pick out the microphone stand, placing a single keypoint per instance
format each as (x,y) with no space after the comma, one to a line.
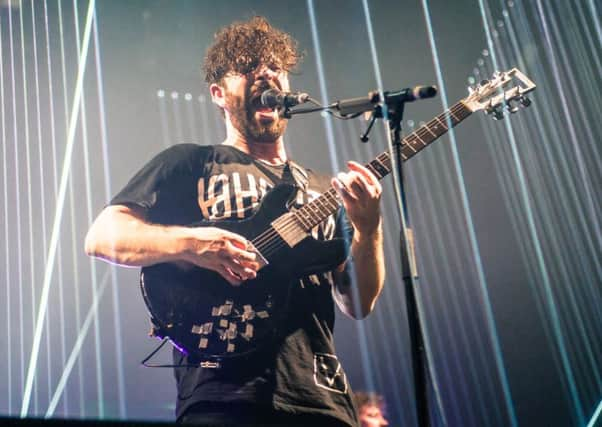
(394,106)
(420,365)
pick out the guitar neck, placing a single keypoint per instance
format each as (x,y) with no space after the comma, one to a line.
(321,208)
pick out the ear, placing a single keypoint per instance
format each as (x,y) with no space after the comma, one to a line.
(218,94)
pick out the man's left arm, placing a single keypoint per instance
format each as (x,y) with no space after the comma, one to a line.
(360,192)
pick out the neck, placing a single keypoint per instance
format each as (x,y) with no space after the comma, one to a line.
(269,151)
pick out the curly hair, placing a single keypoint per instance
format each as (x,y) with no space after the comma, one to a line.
(362,398)
(242,46)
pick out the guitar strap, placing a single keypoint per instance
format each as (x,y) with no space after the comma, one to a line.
(292,173)
(299,175)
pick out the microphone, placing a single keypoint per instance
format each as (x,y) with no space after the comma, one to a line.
(274,98)
(366,103)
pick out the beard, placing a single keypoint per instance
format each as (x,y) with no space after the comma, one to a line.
(242,115)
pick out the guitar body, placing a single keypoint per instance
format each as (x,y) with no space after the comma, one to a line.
(209,319)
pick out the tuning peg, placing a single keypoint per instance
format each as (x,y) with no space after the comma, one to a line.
(524,101)
(497,112)
(484,82)
(511,106)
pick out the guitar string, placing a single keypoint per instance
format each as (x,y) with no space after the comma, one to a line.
(272,239)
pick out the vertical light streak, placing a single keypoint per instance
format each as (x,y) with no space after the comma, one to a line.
(596,20)
(17,194)
(58,215)
(561,171)
(443,310)
(190,116)
(163,118)
(558,245)
(366,362)
(323,90)
(77,347)
(490,319)
(535,238)
(562,175)
(55,188)
(88,186)
(108,192)
(32,278)
(177,115)
(587,54)
(74,243)
(595,416)
(443,225)
(204,119)
(42,189)
(431,370)
(586,182)
(9,331)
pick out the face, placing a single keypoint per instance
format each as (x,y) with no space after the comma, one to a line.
(372,416)
(241,101)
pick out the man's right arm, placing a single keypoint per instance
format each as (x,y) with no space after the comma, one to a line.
(122,235)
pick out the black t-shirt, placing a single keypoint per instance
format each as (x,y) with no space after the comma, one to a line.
(301,373)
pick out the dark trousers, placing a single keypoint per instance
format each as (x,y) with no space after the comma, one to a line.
(252,415)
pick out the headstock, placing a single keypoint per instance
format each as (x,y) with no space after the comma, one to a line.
(505,91)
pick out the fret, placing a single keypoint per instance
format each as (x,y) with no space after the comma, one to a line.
(416,138)
(454,117)
(430,131)
(333,203)
(442,124)
(298,214)
(420,139)
(378,168)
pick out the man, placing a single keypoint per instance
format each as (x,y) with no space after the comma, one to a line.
(371,408)
(301,381)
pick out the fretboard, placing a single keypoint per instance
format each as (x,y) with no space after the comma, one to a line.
(315,212)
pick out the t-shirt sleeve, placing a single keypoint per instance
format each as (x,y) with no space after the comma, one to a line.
(164,172)
(344,228)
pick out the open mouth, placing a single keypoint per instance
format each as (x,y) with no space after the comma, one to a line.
(258,107)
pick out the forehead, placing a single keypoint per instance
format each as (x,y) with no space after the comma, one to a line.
(238,78)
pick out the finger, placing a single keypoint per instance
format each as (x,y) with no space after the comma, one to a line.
(347,180)
(237,240)
(368,178)
(227,274)
(342,191)
(364,171)
(359,184)
(242,254)
(239,270)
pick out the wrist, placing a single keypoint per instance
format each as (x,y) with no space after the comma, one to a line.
(369,233)
(181,248)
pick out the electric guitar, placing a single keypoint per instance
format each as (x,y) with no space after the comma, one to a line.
(211,321)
